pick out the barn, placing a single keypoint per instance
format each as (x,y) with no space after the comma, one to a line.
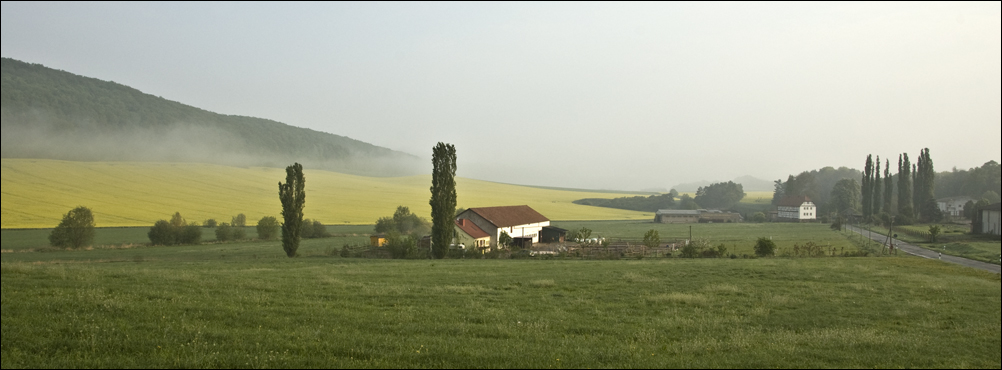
(522,223)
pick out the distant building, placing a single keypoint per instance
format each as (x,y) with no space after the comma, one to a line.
(797,209)
(522,223)
(672,216)
(990,220)
(953,207)
(377,240)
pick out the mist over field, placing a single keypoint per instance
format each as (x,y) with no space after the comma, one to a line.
(182,143)
(51,114)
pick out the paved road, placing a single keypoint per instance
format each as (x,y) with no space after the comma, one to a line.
(925,253)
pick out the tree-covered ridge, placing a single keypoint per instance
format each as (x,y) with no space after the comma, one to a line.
(53,114)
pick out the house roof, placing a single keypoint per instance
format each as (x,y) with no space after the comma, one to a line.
(794,201)
(994,207)
(510,216)
(556,229)
(471,229)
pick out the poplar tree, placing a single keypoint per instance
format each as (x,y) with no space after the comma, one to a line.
(888,188)
(293,197)
(905,187)
(868,188)
(877,191)
(443,198)
(925,189)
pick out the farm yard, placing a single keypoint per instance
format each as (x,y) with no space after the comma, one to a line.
(245,305)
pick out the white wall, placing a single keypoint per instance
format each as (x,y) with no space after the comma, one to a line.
(991,223)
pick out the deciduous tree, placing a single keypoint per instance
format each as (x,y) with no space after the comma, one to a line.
(720,196)
(75,231)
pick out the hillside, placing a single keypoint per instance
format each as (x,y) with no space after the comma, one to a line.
(53,114)
(36,193)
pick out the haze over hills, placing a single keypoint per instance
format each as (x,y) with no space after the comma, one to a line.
(52,114)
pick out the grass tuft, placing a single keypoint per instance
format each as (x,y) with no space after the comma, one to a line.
(548,283)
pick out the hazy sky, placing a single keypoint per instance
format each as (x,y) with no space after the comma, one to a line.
(590,95)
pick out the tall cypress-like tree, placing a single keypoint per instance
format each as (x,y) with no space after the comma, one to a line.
(293,197)
(916,190)
(878,199)
(443,198)
(925,185)
(905,187)
(868,188)
(888,188)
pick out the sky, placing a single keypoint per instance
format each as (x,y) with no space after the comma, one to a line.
(623,96)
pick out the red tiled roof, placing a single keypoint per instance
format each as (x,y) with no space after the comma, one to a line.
(510,216)
(471,229)
(794,201)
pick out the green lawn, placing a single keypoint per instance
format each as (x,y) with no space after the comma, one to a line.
(334,313)
(245,305)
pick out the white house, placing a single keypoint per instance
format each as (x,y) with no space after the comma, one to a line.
(990,219)
(953,207)
(523,224)
(797,209)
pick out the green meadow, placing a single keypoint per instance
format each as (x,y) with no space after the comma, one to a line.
(224,305)
(954,240)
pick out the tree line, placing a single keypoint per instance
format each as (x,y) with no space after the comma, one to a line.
(721,196)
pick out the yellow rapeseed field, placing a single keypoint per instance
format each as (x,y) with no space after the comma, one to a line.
(36,193)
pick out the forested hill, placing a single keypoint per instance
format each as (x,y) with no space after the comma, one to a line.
(52,114)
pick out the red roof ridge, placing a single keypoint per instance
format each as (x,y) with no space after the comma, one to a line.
(508,216)
(471,229)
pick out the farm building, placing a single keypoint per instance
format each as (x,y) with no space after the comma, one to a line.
(670,216)
(953,207)
(471,236)
(377,240)
(990,220)
(552,234)
(797,209)
(522,223)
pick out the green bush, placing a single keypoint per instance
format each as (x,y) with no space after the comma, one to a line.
(162,233)
(224,232)
(190,235)
(267,228)
(175,232)
(765,248)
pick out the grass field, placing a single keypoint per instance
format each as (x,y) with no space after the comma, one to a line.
(738,238)
(37,193)
(337,313)
(955,240)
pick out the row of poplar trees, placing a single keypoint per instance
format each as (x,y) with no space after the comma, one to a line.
(915,189)
(292,194)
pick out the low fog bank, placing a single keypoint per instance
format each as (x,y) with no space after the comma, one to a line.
(187,143)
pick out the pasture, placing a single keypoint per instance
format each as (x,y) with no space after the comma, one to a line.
(37,193)
(245,305)
(955,240)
